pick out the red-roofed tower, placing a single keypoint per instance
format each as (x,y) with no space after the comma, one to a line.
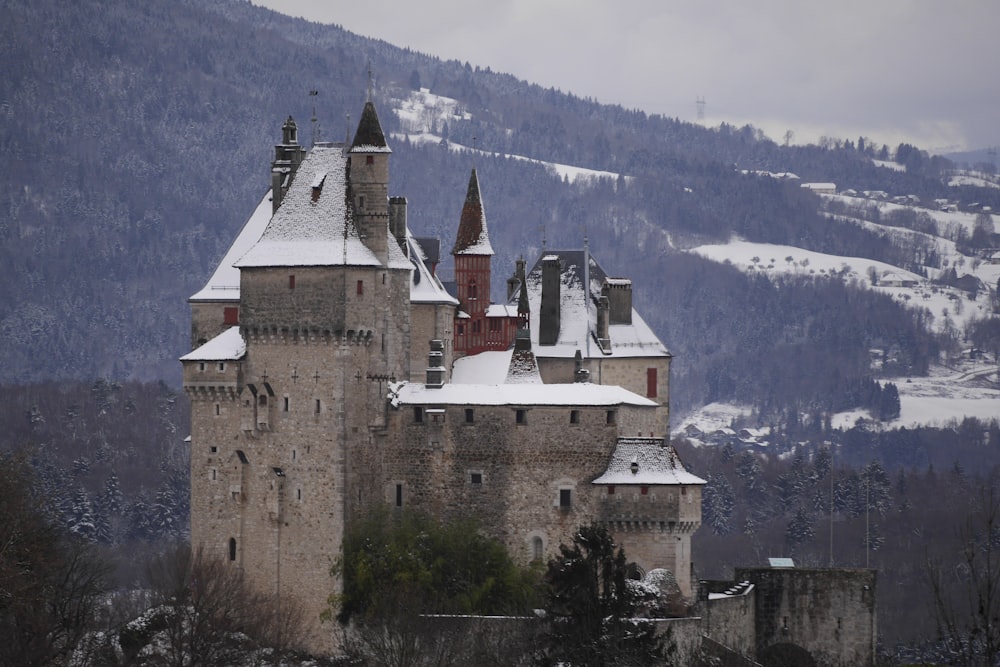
(473,254)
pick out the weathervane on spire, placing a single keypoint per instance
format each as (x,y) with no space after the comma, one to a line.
(371,84)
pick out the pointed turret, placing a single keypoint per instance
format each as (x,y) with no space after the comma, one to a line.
(473,237)
(369,137)
(369,183)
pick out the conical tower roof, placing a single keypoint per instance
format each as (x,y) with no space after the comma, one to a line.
(473,237)
(369,137)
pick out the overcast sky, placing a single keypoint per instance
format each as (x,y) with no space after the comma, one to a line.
(923,71)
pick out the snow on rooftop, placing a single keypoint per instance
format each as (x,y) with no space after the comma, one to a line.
(425,287)
(304,232)
(483,368)
(577,323)
(576,394)
(224,285)
(227,346)
(654,463)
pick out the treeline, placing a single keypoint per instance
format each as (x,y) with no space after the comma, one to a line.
(110,458)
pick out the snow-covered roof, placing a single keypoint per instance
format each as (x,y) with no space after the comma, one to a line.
(483,368)
(576,394)
(227,346)
(304,232)
(369,137)
(425,287)
(577,324)
(224,285)
(656,463)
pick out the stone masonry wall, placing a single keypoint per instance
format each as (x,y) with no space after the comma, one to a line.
(828,612)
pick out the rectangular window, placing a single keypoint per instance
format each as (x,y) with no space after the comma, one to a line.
(201,367)
(318,406)
(285,405)
(213,449)
(574,416)
(476,478)
(522,416)
(565,498)
(361,287)
(291,281)
(399,495)
(418,414)
(222,366)
(231,315)
(470,416)
(369,159)
(644,490)
(611,490)
(610,417)
(651,383)
(298,492)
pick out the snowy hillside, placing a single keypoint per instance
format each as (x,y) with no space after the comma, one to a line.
(957,387)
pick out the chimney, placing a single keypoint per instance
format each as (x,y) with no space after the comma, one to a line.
(287,157)
(619,293)
(603,319)
(515,281)
(548,312)
(435,369)
(580,374)
(397,221)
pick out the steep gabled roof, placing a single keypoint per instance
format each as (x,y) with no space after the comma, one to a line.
(227,346)
(369,138)
(473,237)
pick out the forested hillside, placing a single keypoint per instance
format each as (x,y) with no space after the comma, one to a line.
(136,139)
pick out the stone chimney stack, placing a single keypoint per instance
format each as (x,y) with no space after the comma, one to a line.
(435,365)
(397,221)
(603,320)
(548,311)
(287,157)
(619,293)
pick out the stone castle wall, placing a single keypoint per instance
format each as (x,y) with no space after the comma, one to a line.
(828,612)
(508,475)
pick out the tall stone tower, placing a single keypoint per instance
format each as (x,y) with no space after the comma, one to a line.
(287,407)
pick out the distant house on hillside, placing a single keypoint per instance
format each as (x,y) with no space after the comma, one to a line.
(821,188)
(895,279)
(995,258)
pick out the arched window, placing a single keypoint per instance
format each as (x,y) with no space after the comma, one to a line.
(536,548)
(232,548)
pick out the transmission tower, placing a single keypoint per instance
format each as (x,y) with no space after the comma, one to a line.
(700,103)
(315,121)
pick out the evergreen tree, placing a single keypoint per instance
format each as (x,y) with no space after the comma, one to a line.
(591,611)
(718,501)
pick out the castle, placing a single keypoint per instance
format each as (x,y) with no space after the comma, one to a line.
(332,371)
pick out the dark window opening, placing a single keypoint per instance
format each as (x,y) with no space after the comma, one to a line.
(536,548)
(611,490)
(472,290)
(476,478)
(318,406)
(231,316)
(522,416)
(369,159)
(470,416)
(291,281)
(611,417)
(574,416)
(222,366)
(399,495)
(418,414)
(361,287)
(213,449)
(651,382)
(565,498)
(201,367)
(218,410)
(285,406)
(232,548)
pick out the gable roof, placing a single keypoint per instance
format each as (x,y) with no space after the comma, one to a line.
(227,346)
(224,284)
(473,237)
